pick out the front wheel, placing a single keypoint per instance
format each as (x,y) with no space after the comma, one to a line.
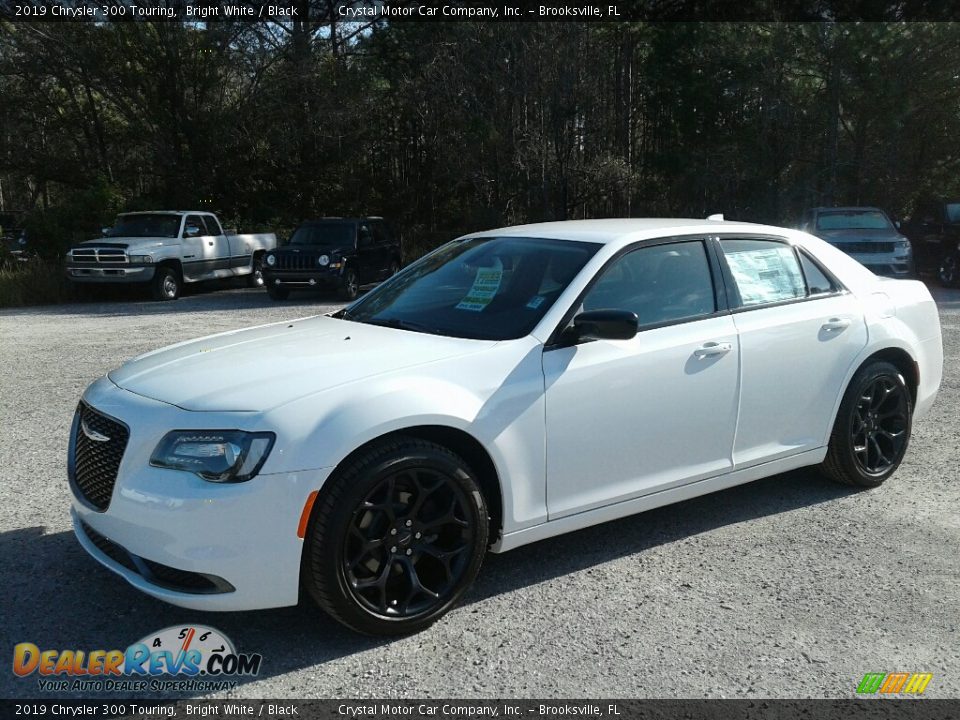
(396,538)
(872,429)
(949,271)
(351,285)
(166,284)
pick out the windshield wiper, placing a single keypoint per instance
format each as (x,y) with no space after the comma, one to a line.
(403,325)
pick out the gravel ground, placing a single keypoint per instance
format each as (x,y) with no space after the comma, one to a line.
(789,587)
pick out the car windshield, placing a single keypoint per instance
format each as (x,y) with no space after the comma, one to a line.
(325,234)
(480,288)
(953,212)
(853,220)
(146,225)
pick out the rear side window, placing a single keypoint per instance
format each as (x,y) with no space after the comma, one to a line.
(817,281)
(764,271)
(213,227)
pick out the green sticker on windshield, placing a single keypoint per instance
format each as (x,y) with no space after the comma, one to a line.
(484,289)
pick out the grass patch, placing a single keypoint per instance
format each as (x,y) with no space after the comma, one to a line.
(34,283)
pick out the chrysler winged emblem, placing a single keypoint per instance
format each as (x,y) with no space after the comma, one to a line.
(92,434)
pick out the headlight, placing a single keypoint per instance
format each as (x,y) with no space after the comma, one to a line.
(144,259)
(323,260)
(215,455)
(902,245)
(271,260)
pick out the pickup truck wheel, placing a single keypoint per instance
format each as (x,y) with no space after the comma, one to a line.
(872,429)
(351,285)
(255,278)
(166,284)
(949,271)
(396,537)
(278,293)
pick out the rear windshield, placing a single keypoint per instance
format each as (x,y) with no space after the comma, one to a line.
(146,225)
(853,220)
(325,234)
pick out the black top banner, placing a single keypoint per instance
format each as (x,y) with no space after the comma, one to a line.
(368,11)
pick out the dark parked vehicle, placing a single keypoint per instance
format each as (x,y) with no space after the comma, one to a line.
(864,233)
(333,253)
(934,230)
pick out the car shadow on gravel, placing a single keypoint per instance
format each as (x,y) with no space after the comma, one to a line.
(57,597)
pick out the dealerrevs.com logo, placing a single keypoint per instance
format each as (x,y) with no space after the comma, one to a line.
(178,658)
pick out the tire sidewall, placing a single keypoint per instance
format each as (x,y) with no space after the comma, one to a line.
(326,548)
(159,281)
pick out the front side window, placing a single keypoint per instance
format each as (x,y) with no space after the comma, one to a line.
(194,226)
(483,288)
(660,283)
(764,271)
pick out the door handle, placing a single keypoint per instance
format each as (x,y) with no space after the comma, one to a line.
(712,349)
(836,324)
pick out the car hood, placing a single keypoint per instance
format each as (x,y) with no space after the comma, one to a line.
(138,243)
(264,367)
(859,235)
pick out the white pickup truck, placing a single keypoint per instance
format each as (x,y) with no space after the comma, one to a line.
(167,248)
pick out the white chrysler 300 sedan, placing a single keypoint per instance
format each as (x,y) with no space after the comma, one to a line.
(512,385)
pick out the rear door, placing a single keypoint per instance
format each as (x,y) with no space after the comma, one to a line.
(800,332)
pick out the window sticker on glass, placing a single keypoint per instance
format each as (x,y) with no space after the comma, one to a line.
(535,302)
(765,275)
(484,289)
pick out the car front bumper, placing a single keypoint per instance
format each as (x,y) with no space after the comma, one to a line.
(127,274)
(303,280)
(886,264)
(166,530)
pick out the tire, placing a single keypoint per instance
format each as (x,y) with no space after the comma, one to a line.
(395,568)
(872,430)
(351,285)
(166,284)
(278,293)
(948,272)
(255,278)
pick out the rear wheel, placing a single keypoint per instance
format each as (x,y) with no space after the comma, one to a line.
(166,284)
(277,293)
(255,278)
(949,271)
(872,429)
(396,538)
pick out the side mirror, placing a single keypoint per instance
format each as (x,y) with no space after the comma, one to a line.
(606,325)
(896,224)
(191,231)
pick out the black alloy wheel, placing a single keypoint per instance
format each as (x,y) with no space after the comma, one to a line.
(397,539)
(872,429)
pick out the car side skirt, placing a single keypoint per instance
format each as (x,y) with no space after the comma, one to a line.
(653,500)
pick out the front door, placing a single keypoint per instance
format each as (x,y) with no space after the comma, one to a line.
(631,417)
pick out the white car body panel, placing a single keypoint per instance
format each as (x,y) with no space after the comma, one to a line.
(550,419)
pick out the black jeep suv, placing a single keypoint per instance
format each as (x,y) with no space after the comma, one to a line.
(332,253)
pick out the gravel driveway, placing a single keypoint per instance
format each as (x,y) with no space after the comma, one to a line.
(789,587)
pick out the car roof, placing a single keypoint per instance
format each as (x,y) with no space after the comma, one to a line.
(342,219)
(614,230)
(167,212)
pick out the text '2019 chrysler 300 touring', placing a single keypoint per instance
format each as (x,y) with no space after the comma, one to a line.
(511,385)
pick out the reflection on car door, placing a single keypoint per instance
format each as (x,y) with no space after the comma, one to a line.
(799,335)
(627,418)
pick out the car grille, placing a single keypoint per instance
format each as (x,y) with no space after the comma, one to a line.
(296,261)
(99,255)
(866,247)
(154,572)
(98,446)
